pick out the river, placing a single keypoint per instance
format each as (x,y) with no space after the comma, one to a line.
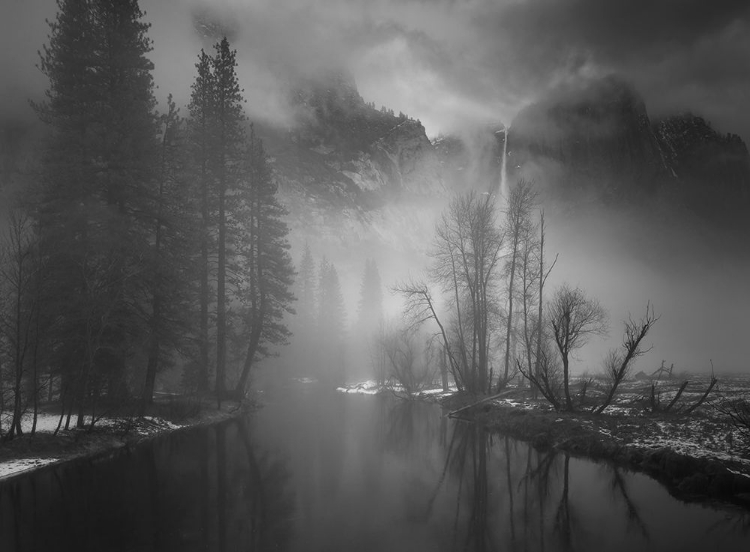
(316,470)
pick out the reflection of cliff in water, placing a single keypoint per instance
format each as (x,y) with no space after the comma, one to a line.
(203,489)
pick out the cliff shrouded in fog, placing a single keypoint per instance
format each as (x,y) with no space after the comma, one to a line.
(639,208)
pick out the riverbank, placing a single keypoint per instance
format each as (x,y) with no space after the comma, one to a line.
(698,457)
(689,454)
(109,434)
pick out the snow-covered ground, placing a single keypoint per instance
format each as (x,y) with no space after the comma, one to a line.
(371,387)
(702,434)
(47,424)
(14,467)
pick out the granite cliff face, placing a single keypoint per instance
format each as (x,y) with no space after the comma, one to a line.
(346,170)
(353,174)
(711,171)
(601,138)
(602,131)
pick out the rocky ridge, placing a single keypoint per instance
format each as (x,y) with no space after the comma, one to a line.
(601,137)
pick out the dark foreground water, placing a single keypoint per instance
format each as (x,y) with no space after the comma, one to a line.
(321,471)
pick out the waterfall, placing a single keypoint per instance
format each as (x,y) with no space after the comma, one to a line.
(503,169)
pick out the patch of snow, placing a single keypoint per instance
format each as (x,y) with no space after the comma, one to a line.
(13,467)
(369,387)
(45,422)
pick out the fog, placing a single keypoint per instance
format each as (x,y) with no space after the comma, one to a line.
(455,65)
(694,276)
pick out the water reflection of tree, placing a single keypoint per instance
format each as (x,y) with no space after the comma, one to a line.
(466,462)
(268,497)
(564,516)
(504,491)
(734,522)
(619,488)
(410,427)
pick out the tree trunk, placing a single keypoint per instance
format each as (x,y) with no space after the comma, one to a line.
(537,360)
(444,369)
(566,384)
(221,313)
(202,383)
(148,388)
(252,347)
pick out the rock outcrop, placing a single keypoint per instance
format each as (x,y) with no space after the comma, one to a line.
(600,137)
(345,167)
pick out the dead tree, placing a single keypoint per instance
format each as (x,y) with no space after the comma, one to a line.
(660,371)
(677,396)
(738,412)
(546,376)
(573,318)
(618,364)
(711,385)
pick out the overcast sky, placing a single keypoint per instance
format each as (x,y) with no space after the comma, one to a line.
(443,61)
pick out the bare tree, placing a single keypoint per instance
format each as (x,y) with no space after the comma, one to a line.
(618,363)
(738,412)
(533,275)
(18,304)
(518,226)
(407,366)
(573,318)
(466,257)
(705,395)
(542,279)
(419,308)
(546,377)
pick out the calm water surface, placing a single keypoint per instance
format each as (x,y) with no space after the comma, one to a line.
(321,471)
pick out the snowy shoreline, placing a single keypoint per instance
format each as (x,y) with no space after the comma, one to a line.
(109,436)
(687,453)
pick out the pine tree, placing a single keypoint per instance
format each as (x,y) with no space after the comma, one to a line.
(170,262)
(306,291)
(266,269)
(200,130)
(98,184)
(230,139)
(331,323)
(218,149)
(369,327)
(302,324)
(370,299)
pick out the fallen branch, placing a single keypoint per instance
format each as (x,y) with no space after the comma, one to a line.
(677,396)
(484,400)
(703,398)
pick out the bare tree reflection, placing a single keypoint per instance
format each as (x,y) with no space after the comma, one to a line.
(509,477)
(634,517)
(221,487)
(734,521)
(563,514)
(536,487)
